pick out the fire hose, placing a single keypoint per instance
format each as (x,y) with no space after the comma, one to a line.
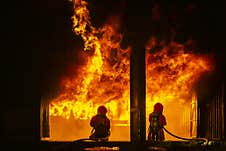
(199,139)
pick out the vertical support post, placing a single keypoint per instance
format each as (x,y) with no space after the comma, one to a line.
(44,119)
(137,95)
(138,31)
(224,110)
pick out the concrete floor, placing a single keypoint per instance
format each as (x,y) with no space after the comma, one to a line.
(85,145)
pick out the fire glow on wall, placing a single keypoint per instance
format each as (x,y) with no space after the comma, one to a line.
(172,70)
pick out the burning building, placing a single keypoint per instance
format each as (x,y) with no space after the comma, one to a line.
(124,54)
(129,80)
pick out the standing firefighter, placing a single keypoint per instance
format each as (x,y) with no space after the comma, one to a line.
(157,121)
(100,124)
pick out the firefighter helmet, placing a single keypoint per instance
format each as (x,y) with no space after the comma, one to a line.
(158,107)
(102,110)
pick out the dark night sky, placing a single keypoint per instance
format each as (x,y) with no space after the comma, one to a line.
(38,44)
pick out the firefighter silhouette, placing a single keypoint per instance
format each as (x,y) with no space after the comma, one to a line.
(101,124)
(157,121)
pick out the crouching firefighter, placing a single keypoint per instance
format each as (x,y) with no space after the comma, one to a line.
(101,125)
(157,121)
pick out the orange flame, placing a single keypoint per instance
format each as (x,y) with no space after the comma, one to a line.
(171,73)
(104,79)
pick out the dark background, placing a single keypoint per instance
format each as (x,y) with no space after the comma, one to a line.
(38,47)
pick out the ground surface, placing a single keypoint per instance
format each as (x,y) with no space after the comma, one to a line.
(127,146)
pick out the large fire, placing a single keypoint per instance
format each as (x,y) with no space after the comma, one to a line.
(171,72)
